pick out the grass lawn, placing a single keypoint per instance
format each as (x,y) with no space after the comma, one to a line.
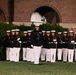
(24,68)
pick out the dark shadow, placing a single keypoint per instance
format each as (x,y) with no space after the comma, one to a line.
(2,16)
(50,14)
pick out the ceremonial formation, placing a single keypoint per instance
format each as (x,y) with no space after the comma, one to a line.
(47,46)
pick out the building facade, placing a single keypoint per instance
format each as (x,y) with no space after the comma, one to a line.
(62,12)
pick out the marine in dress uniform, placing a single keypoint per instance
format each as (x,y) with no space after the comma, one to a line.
(7,44)
(43,52)
(65,46)
(48,46)
(59,46)
(12,45)
(24,45)
(37,42)
(75,45)
(17,45)
(29,56)
(53,46)
(71,46)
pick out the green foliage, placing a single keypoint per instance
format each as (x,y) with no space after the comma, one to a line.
(2,53)
(23,28)
(4,27)
(50,27)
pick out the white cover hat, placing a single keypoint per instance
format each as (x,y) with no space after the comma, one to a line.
(53,31)
(29,31)
(48,32)
(25,32)
(17,30)
(13,30)
(43,31)
(8,31)
(70,31)
(65,32)
(59,32)
(37,25)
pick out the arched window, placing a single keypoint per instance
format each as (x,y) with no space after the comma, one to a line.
(50,15)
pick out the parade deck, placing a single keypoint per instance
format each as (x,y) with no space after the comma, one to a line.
(28,68)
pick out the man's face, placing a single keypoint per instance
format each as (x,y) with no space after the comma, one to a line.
(13,33)
(59,35)
(37,28)
(48,34)
(65,34)
(29,34)
(53,34)
(43,33)
(71,34)
(17,33)
(8,34)
(25,34)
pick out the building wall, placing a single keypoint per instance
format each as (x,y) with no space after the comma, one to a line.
(4,7)
(65,8)
(23,10)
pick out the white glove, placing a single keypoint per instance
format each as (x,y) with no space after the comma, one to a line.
(20,42)
(31,45)
(49,42)
(55,42)
(72,41)
(42,46)
(63,42)
(18,39)
(75,43)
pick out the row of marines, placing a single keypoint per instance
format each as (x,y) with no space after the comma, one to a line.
(44,45)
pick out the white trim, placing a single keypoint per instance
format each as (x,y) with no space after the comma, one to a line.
(65,25)
(22,23)
(68,25)
(7,22)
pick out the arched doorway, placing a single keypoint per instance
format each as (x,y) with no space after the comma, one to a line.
(48,14)
(2,16)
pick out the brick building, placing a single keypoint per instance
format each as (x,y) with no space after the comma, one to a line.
(55,11)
